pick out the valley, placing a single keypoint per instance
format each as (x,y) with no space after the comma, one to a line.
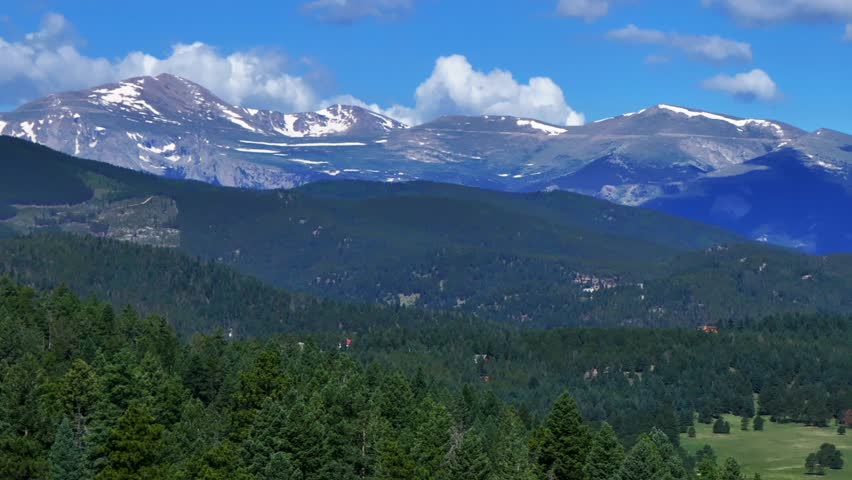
(777,453)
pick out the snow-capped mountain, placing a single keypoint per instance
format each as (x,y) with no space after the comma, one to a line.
(657,156)
(637,156)
(170,126)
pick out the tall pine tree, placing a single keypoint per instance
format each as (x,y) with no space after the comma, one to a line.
(643,462)
(134,448)
(67,459)
(606,455)
(565,442)
(470,461)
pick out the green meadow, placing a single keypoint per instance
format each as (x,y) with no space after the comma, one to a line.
(777,453)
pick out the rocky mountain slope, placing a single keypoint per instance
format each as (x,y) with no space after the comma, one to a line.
(663,156)
(170,126)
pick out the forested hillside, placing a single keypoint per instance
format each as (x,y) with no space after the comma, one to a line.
(683,371)
(545,259)
(89,392)
(193,295)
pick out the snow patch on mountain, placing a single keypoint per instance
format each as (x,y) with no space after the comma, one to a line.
(236,119)
(124,95)
(311,144)
(305,162)
(27,128)
(256,150)
(158,150)
(739,123)
(548,129)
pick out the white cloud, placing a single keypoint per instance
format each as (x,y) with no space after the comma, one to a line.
(47,61)
(752,85)
(589,10)
(776,11)
(703,47)
(349,11)
(634,34)
(255,77)
(455,87)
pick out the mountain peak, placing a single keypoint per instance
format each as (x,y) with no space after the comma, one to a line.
(691,120)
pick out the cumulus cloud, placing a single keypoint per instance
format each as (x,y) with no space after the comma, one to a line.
(455,87)
(254,77)
(47,61)
(703,47)
(776,11)
(349,11)
(753,85)
(590,10)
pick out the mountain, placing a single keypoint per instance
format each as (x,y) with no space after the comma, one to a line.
(787,197)
(665,157)
(637,156)
(548,259)
(169,126)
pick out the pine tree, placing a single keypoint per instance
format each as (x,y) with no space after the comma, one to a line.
(512,453)
(744,423)
(470,461)
(67,459)
(431,437)
(21,458)
(78,393)
(690,432)
(394,463)
(643,462)
(668,454)
(758,423)
(291,427)
(565,442)
(280,467)
(731,470)
(707,468)
(133,449)
(605,456)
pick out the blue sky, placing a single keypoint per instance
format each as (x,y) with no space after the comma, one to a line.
(593,58)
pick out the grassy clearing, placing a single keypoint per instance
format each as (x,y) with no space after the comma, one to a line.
(777,453)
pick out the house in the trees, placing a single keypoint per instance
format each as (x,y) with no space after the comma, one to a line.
(709,329)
